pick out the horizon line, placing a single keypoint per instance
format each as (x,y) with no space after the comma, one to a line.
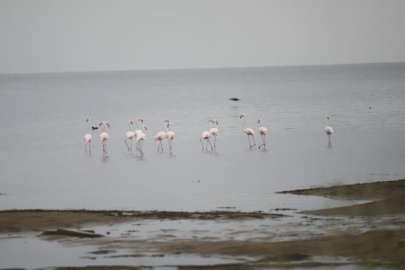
(180,69)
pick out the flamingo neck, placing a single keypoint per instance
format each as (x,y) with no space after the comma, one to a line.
(137,123)
(88,126)
(244,123)
(106,128)
(209,127)
(260,123)
(130,126)
(165,126)
(215,124)
(169,127)
(326,122)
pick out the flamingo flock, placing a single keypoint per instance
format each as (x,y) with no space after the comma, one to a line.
(168,134)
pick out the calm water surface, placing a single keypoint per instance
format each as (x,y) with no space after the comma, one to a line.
(43,164)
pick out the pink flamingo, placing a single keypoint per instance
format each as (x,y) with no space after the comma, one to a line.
(169,134)
(140,138)
(138,134)
(161,136)
(263,133)
(248,131)
(105,135)
(206,136)
(130,135)
(214,131)
(328,130)
(88,137)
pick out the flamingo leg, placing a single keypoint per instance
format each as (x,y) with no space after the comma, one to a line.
(210,145)
(253,141)
(202,144)
(170,144)
(215,143)
(85,148)
(330,143)
(106,148)
(127,144)
(90,147)
(131,145)
(264,143)
(249,142)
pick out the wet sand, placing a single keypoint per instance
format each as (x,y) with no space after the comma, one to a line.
(13,221)
(390,196)
(377,247)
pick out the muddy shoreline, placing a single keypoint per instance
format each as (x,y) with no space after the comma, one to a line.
(12,221)
(374,247)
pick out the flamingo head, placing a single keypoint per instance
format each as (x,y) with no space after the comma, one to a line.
(101,123)
(88,119)
(166,121)
(327,117)
(139,119)
(107,124)
(144,127)
(242,115)
(216,121)
(258,121)
(130,121)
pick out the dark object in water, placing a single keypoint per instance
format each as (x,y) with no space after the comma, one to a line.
(90,234)
(234,99)
(94,128)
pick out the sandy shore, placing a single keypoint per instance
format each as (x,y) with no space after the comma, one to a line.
(12,221)
(389,196)
(375,247)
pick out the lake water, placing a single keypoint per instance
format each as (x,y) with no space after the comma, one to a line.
(43,163)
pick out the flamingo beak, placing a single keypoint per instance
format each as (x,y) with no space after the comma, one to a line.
(145,128)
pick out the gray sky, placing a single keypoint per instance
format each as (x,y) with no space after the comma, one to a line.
(80,35)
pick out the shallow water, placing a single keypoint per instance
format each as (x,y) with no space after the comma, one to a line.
(43,163)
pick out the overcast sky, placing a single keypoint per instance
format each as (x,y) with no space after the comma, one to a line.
(80,35)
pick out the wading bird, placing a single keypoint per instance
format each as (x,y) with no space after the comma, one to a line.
(138,134)
(214,131)
(130,135)
(88,137)
(169,134)
(263,133)
(206,136)
(140,138)
(105,135)
(328,130)
(248,131)
(161,136)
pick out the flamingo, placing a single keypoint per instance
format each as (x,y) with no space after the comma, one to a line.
(206,136)
(248,131)
(105,135)
(88,137)
(263,133)
(138,132)
(130,134)
(214,131)
(328,130)
(169,134)
(161,136)
(140,138)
